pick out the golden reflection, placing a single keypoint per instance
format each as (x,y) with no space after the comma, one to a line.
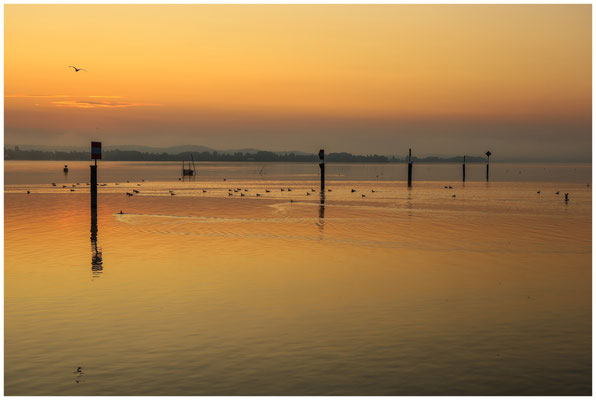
(321,223)
(96,253)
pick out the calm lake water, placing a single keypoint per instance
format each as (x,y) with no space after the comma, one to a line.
(481,289)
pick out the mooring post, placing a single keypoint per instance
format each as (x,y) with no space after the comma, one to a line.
(410,168)
(488,154)
(464,170)
(322,166)
(93,187)
(95,155)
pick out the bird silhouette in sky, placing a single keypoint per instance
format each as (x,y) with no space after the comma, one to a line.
(77,69)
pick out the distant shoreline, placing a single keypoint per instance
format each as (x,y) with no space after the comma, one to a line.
(259,156)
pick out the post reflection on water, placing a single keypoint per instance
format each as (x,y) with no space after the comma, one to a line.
(96,255)
(321,223)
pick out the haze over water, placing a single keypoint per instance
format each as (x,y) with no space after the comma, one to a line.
(402,292)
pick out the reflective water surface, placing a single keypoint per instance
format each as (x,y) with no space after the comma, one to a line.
(201,287)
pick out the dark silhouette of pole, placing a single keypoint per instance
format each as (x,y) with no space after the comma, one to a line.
(464,170)
(322,166)
(488,154)
(93,186)
(96,257)
(410,168)
(95,155)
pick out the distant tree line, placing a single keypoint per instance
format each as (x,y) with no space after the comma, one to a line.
(261,156)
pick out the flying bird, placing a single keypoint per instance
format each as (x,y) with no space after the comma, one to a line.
(77,69)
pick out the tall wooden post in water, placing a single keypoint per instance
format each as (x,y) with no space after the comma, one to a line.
(93,187)
(322,166)
(410,168)
(488,154)
(95,155)
(464,170)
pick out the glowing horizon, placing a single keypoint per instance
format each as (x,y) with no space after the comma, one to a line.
(357,78)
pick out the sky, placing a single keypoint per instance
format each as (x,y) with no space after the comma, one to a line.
(440,79)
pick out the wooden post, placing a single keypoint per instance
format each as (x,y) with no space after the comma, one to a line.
(93,187)
(322,166)
(410,168)
(488,154)
(464,170)
(95,155)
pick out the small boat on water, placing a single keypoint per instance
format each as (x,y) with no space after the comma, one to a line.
(65,168)
(190,171)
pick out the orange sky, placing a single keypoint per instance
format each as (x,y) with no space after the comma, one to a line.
(235,76)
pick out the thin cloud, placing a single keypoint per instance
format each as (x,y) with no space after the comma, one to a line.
(25,96)
(98,104)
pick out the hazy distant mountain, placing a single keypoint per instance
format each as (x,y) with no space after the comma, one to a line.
(286,154)
(160,150)
(150,149)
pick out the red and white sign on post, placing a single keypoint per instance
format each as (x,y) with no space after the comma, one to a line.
(96,150)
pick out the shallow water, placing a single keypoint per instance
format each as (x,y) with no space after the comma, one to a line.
(403,292)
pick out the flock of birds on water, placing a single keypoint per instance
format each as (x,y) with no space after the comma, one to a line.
(243,193)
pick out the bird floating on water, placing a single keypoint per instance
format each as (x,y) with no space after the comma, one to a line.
(557,192)
(353,190)
(363,195)
(538,192)
(77,69)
